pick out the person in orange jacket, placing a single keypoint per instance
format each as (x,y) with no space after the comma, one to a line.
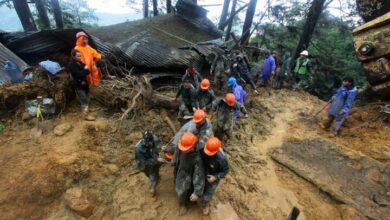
(89,57)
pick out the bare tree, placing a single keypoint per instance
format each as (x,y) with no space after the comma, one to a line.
(169,6)
(155,8)
(57,14)
(42,14)
(230,24)
(250,12)
(24,15)
(146,8)
(315,10)
(224,14)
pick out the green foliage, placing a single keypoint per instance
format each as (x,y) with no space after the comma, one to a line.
(2,127)
(77,13)
(331,49)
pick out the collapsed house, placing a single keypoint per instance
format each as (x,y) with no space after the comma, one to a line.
(162,45)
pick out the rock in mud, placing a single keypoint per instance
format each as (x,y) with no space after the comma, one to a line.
(62,129)
(76,202)
(112,168)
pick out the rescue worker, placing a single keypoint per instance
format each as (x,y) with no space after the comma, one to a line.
(192,76)
(90,57)
(200,125)
(224,117)
(205,96)
(285,69)
(241,70)
(238,92)
(268,68)
(146,156)
(302,70)
(190,177)
(79,73)
(188,98)
(216,167)
(340,105)
(217,69)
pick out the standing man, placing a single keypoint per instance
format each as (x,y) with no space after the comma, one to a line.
(302,70)
(238,92)
(205,96)
(224,115)
(90,57)
(268,68)
(285,70)
(190,176)
(192,76)
(79,73)
(188,99)
(146,155)
(216,168)
(340,105)
(218,70)
(241,70)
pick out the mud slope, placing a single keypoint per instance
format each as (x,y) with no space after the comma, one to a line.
(90,170)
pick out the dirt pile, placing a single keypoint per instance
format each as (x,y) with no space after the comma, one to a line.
(97,159)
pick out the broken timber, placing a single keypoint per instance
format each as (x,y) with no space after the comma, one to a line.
(352,177)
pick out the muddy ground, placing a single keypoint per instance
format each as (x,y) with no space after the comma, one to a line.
(89,172)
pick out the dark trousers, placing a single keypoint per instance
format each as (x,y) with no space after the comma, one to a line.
(209,191)
(83,96)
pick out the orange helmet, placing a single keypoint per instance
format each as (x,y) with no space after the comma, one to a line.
(205,84)
(199,116)
(187,141)
(230,99)
(212,146)
(81,34)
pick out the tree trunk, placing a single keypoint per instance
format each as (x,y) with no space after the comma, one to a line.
(229,28)
(169,6)
(57,14)
(224,14)
(155,8)
(24,14)
(310,23)
(250,12)
(146,8)
(42,13)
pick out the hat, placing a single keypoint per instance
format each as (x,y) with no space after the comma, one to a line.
(305,53)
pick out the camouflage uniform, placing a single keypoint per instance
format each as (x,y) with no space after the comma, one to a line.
(188,100)
(189,175)
(241,71)
(146,158)
(218,69)
(216,165)
(206,99)
(224,118)
(194,79)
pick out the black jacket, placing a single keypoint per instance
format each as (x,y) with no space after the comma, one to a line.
(216,165)
(79,74)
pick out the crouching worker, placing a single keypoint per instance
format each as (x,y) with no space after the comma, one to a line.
(146,155)
(188,99)
(225,115)
(216,167)
(238,92)
(189,182)
(340,105)
(79,73)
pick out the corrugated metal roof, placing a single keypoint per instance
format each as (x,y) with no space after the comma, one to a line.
(32,46)
(5,55)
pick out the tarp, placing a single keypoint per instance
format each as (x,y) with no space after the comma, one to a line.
(6,54)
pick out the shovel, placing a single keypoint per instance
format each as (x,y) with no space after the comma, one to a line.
(325,106)
(37,132)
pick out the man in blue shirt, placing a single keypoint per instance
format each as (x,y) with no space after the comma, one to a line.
(267,69)
(340,105)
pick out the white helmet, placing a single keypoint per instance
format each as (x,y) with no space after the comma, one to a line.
(305,53)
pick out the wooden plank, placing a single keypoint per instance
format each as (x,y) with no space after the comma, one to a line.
(348,176)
